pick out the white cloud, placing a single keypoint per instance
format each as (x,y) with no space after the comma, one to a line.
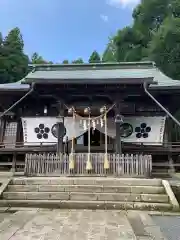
(104,17)
(123,3)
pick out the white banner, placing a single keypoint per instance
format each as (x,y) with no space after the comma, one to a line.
(147,130)
(40,130)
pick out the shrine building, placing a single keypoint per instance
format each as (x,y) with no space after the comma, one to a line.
(105,118)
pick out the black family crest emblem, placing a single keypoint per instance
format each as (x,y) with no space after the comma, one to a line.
(143,131)
(42,132)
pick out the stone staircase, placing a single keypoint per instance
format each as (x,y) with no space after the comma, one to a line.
(86,193)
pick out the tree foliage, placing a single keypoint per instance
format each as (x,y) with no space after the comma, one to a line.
(13,61)
(37,59)
(95,57)
(154,35)
(65,61)
(165,47)
(78,61)
(110,53)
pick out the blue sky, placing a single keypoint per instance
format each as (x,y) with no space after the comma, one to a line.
(65,29)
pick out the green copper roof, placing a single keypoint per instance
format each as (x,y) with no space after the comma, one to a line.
(99,71)
(84,72)
(124,70)
(164,81)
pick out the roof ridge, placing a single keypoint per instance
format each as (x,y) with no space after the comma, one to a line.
(84,65)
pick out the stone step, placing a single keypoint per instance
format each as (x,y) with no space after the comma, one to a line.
(5,174)
(103,181)
(79,196)
(86,188)
(69,204)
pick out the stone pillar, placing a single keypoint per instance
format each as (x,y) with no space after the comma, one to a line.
(118,122)
(60,128)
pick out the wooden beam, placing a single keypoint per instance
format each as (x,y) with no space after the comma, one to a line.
(118,122)
(160,150)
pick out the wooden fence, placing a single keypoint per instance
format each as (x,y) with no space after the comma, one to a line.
(58,165)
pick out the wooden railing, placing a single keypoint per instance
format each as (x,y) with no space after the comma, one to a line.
(57,165)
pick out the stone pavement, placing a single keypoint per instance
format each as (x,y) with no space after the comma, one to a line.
(170,226)
(44,224)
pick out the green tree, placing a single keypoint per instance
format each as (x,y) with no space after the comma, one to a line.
(148,17)
(129,45)
(132,42)
(65,61)
(14,40)
(37,59)
(154,35)
(3,62)
(174,7)
(78,61)
(165,47)
(95,57)
(14,63)
(110,52)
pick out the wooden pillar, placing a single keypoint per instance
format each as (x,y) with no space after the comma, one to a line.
(60,127)
(2,129)
(118,122)
(19,127)
(169,144)
(13,169)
